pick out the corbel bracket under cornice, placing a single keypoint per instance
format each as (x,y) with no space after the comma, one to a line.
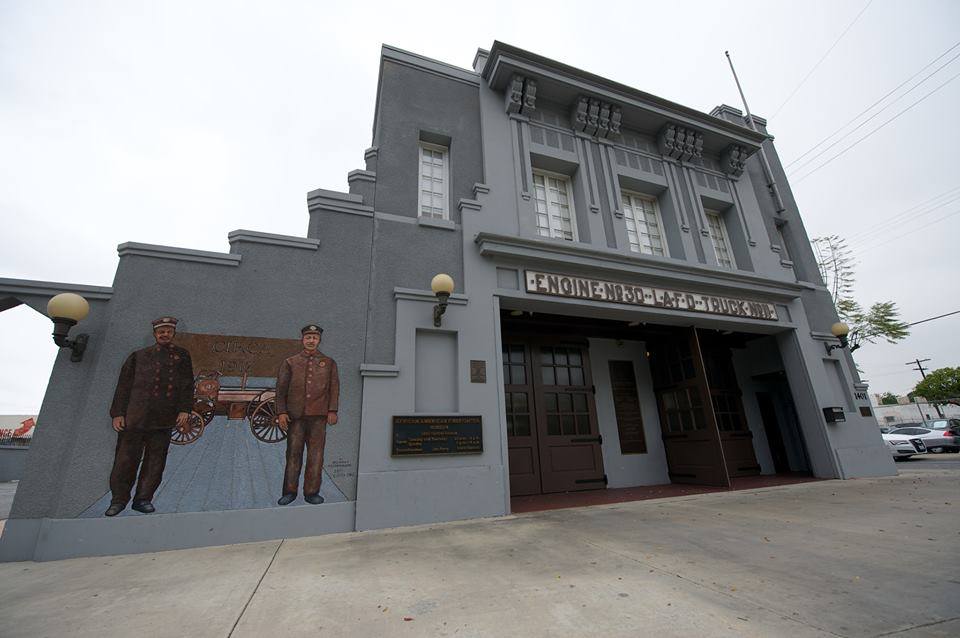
(521,95)
(593,116)
(679,142)
(733,160)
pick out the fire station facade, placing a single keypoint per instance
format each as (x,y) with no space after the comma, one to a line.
(636,303)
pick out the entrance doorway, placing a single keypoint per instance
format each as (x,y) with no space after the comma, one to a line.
(552,434)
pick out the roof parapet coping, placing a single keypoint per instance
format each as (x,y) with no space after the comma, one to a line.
(409,58)
(322,199)
(256,237)
(130,249)
(724,109)
(15,287)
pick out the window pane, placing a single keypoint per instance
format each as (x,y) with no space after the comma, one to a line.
(569,425)
(576,376)
(566,402)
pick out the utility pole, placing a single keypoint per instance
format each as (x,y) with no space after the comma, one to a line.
(923,373)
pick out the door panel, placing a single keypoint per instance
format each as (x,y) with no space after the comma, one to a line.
(687,420)
(523,452)
(726,397)
(570,456)
(552,434)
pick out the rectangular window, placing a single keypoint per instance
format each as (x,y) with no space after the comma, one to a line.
(644,226)
(553,206)
(433,181)
(718,235)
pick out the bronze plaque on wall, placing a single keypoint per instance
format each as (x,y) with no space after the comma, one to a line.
(425,435)
(626,403)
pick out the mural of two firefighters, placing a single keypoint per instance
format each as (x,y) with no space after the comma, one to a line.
(170,392)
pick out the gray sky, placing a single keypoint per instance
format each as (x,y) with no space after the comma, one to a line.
(176,122)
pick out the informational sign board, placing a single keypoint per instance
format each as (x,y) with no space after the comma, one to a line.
(427,435)
(541,283)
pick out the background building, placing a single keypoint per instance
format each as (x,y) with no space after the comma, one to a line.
(635,302)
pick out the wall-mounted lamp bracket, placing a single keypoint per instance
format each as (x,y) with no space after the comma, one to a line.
(440,308)
(77,345)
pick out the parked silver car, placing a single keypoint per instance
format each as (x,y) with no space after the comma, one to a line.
(935,439)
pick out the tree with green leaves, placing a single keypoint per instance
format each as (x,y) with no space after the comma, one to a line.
(838,270)
(940,386)
(888,398)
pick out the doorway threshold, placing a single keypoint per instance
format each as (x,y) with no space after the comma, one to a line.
(563,500)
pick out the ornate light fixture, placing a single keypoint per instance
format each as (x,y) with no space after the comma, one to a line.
(839,330)
(442,286)
(65,310)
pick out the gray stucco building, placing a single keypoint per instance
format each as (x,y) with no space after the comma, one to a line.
(636,303)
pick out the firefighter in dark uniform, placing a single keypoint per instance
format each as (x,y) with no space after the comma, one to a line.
(154,393)
(308,391)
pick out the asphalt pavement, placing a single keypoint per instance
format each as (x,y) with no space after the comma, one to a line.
(866,557)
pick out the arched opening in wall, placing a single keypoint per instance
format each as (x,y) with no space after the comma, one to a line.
(27,354)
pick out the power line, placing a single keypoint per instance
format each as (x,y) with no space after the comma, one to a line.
(883,227)
(904,234)
(932,318)
(893,90)
(952,78)
(820,61)
(863,123)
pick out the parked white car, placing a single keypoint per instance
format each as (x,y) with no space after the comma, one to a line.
(935,440)
(903,446)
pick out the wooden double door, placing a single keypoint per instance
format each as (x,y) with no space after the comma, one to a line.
(551,418)
(705,433)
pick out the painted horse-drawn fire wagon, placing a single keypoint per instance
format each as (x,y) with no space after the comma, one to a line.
(211,398)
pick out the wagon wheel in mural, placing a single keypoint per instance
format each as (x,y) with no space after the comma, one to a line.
(205,408)
(196,424)
(262,413)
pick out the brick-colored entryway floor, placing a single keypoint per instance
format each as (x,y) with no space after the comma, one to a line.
(541,502)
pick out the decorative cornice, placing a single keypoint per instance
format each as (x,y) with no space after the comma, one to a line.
(680,143)
(575,258)
(506,60)
(479,189)
(412,294)
(16,287)
(288,241)
(378,370)
(373,151)
(131,249)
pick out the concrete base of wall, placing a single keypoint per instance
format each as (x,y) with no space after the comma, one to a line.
(13,461)
(55,539)
(415,497)
(866,462)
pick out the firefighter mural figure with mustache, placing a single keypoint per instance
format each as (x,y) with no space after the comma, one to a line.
(308,391)
(154,393)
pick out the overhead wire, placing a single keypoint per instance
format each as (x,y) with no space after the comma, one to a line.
(899,236)
(793,171)
(822,58)
(911,213)
(884,124)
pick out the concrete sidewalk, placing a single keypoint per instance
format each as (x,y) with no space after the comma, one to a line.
(869,557)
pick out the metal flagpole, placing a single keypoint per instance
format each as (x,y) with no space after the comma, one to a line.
(767,172)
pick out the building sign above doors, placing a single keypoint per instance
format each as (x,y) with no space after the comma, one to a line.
(542,283)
